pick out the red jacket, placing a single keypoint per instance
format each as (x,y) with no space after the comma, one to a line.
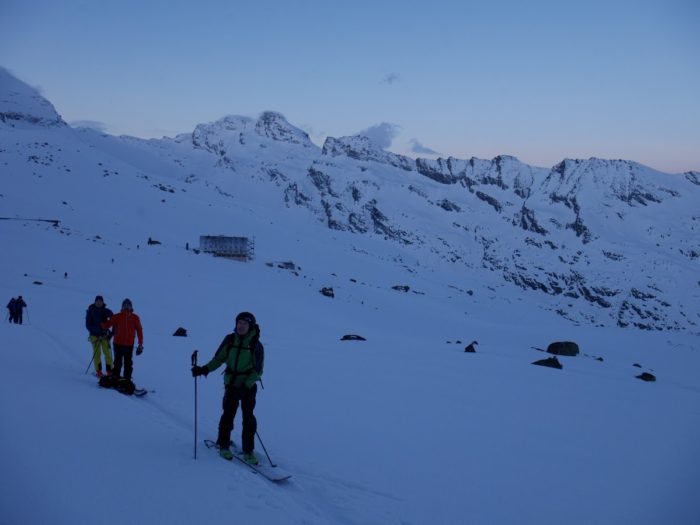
(125,325)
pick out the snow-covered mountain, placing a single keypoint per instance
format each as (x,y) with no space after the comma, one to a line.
(422,257)
(602,242)
(22,106)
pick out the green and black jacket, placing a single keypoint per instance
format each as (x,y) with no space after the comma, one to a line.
(244,358)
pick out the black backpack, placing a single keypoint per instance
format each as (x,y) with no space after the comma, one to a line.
(107,382)
(258,351)
(126,386)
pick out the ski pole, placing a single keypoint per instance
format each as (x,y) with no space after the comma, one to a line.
(94,354)
(28,320)
(263,446)
(194,363)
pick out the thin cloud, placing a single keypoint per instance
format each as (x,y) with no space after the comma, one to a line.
(417,147)
(91,124)
(391,78)
(313,133)
(382,134)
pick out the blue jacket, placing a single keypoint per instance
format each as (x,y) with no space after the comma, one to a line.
(94,317)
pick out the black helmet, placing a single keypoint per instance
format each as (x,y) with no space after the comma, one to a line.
(126,305)
(246,316)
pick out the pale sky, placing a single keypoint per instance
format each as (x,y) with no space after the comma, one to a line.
(542,80)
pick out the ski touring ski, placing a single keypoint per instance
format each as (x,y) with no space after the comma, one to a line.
(272,473)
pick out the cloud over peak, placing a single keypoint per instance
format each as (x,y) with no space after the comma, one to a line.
(381,134)
(417,147)
(91,124)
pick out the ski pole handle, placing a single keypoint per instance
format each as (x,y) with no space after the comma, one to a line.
(194,358)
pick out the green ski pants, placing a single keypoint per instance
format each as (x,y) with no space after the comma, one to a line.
(100,345)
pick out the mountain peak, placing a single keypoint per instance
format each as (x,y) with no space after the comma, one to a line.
(360,147)
(21,104)
(242,130)
(273,125)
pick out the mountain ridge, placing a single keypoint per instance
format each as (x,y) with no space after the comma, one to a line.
(591,237)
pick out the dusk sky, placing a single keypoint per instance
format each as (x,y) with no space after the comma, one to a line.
(540,80)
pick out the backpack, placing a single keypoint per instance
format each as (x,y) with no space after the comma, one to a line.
(126,386)
(107,382)
(258,352)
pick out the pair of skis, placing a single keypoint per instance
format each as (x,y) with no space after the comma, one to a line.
(270,472)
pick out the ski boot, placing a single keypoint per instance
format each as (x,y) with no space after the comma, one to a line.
(250,458)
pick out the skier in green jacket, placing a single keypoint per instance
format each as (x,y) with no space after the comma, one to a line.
(244,356)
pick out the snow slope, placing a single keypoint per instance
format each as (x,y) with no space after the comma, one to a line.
(403,428)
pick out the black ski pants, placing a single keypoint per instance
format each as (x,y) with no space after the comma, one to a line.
(123,354)
(246,398)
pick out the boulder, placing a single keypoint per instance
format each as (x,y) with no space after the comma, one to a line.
(180,332)
(551,362)
(567,348)
(327,291)
(352,337)
(471,347)
(287,265)
(646,376)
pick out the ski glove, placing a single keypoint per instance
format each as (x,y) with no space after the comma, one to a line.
(199,371)
(139,350)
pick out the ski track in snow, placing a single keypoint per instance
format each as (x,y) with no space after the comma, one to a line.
(328,499)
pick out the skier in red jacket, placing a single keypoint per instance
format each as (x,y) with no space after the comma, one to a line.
(127,326)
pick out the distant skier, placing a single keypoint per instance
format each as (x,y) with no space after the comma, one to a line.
(11,310)
(127,325)
(244,356)
(97,313)
(17,310)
